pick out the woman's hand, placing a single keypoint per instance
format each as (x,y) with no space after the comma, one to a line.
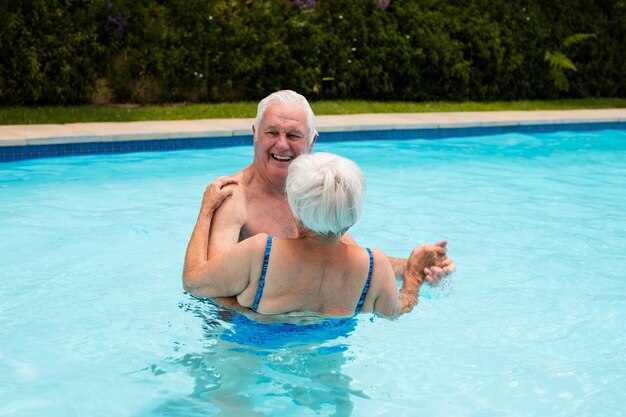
(430,263)
(216,193)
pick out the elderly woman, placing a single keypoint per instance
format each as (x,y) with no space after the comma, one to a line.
(317,273)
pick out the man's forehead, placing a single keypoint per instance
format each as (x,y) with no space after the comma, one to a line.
(282,115)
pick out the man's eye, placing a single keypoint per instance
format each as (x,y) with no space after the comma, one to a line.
(294,136)
(271,133)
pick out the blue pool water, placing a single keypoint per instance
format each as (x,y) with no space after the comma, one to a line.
(94,322)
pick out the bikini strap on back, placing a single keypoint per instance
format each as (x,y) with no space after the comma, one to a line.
(266,258)
(367,283)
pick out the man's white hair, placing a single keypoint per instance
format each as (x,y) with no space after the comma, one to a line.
(325,192)
(288,97)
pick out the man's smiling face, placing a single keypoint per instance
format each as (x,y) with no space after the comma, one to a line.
(282,136)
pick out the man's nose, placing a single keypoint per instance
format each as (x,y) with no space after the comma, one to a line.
(282,140)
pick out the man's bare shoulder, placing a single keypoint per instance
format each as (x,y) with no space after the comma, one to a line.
(240,175)
(233,209)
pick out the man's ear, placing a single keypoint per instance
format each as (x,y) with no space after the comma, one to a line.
(313,142)
(253,134)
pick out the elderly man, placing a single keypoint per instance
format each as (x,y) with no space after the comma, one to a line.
(284,128)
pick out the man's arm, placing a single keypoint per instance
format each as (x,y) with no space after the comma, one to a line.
(433,274)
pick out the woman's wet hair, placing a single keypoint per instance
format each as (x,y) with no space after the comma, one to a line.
(325,192)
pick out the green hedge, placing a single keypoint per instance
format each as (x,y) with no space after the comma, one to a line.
(150,51)
(50,51)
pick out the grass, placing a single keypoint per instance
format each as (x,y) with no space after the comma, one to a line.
(127,113)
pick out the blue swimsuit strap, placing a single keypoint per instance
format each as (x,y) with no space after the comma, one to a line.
(266,259)
(367,283)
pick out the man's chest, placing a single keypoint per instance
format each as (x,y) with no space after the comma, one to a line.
(271,217)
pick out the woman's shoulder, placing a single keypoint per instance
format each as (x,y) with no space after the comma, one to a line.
(378,255)
(382,266)
(258,240)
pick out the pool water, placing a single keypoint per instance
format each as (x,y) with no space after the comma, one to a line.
(94,322)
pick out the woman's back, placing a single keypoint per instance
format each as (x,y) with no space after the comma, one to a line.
(309,275)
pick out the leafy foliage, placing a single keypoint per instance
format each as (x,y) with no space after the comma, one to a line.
(50,51)
(559,62)
(577,38)
(148,51)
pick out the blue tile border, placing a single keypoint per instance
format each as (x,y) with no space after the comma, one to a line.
(18,153)
(442,133)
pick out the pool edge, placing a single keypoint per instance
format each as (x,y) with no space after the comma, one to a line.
(22,142)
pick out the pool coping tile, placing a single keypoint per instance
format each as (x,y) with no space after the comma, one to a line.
(35,141)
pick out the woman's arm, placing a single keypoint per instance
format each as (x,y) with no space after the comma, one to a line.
(226,274)
(227,223)
(392,303)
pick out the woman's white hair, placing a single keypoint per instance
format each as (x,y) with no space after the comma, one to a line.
(325,192)
(288,97)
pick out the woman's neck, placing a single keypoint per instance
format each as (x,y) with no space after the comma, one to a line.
(307,235)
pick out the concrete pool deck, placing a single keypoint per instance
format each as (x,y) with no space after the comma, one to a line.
(24,135)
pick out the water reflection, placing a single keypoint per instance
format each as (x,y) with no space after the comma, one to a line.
(252,369)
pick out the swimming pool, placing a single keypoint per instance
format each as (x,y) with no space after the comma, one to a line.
(94,321)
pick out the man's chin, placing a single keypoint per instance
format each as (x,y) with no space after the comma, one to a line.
(280,169)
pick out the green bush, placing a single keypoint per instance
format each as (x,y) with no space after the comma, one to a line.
(51,51)
(151,51)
